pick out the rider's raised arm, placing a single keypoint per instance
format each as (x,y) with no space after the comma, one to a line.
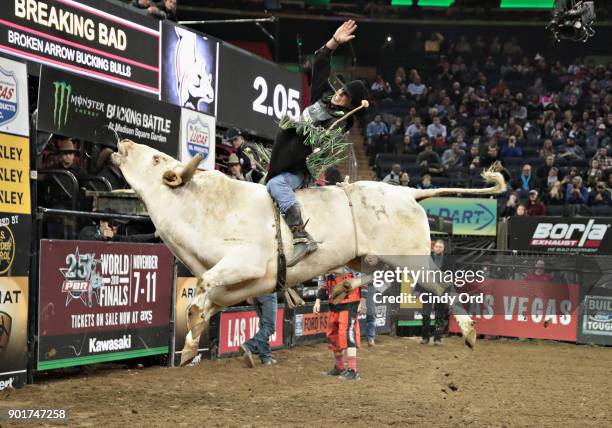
(321,67)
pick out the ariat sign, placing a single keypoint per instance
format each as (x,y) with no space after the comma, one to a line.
(558,235)
(122,344)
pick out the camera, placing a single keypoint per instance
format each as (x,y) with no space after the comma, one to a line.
(572,20)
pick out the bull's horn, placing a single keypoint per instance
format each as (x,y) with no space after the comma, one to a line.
(191,167)
(172,179)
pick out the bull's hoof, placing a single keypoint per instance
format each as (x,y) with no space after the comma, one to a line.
(190,350)
(468,331)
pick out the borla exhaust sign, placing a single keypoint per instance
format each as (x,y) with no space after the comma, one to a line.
(560,234)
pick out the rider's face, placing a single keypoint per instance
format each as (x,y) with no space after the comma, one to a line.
(341,98)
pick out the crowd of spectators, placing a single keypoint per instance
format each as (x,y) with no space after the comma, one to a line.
(544,123)
(164,9)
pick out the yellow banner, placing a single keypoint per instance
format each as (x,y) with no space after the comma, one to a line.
(14,174)
(406,288)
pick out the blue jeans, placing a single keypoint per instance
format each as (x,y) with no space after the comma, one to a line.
(266,308)
(371,313)
(282,188)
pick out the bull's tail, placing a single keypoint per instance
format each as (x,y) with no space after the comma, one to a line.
(490,176)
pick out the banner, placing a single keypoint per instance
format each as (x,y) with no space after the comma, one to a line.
(254,93)
(102,302)
(237,325)
(595,323)
(197,136)
(15,233)
(14,174)
(471,216)
(14,109)
(96,38)
(189,71)
(309,327)
(560,234)
(528,309)
(77,107)
(185,294)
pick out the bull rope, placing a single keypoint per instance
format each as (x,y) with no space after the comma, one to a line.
(344,186)
(292,299)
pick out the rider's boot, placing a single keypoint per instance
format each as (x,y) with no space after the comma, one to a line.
(303,243)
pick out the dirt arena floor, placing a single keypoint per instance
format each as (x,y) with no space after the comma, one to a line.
(502,384)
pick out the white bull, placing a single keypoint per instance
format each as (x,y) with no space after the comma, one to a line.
(224,230)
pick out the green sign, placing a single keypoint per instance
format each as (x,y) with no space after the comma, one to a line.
(527,4)
(471,216)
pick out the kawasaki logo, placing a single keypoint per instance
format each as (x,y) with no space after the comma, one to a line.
(96,345)
(61,103)
(588,236)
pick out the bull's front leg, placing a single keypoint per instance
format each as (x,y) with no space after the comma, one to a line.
(231,269)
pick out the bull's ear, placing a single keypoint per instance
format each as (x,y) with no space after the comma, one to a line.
(172,179)
(191,167)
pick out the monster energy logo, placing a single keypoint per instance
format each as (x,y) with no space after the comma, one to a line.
(61,103)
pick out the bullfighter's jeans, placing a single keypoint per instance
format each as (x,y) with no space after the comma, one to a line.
(371,313)
(266,308)
(282,188)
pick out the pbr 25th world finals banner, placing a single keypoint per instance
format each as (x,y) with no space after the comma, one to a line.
(79,107)
(94,38)
(15,223)
(103,302)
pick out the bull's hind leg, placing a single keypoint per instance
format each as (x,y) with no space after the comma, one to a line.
(231,269)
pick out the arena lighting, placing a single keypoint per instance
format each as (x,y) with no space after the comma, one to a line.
(389,38)
(527,4)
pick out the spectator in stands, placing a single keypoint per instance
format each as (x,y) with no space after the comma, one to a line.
(510,205)
(601,138)
(169,9)
(416,87)
(593,175)
(396,137)
(235,170)
(414,132)
(381,88)
(556,195)
(571,151)
(376,129)
(476,129)
(429,161)
(521,211)
(54,187)
(150,6)
(107,229)
(535,207)
(425,183)
(513,129)
(600,196)
(543,171)
(493,128)
(491,156)
(576,193)
(246,154)
(453,157)
(547,149)
(405,180)
(473,159)
(511,150)
(525,182)
(106,169)
(434,43)
(603,160)
(436,129)
(394,176)
(539,274)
